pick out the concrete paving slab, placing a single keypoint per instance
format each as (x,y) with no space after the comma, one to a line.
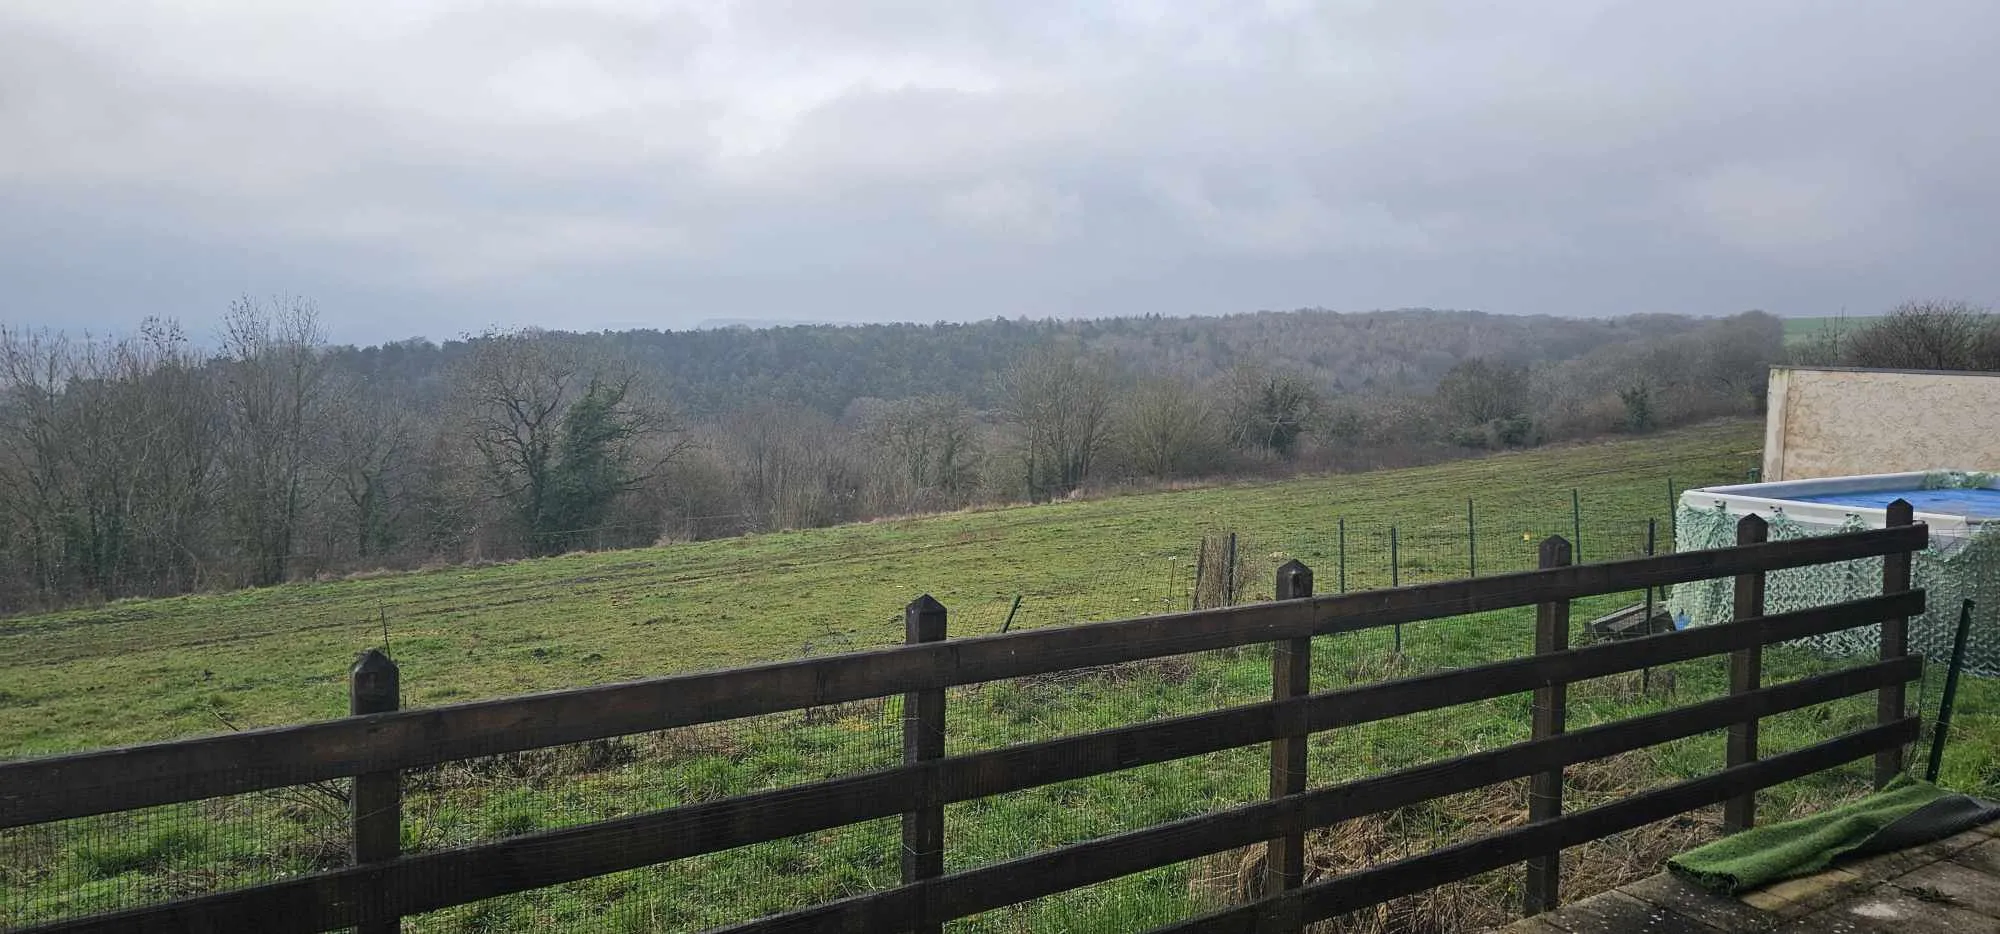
(1890,910)
(1796,898)
(1947,887)
(1616,912)
(1684,898)
(1954,884)
(1984,857)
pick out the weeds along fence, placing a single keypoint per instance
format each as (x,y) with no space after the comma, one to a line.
(1370,551)
(1353,550)
(1236,817)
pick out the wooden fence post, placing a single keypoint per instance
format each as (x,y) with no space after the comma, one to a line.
(1890,703)
(1746,674)
(923,741)
(375,808)
(1550,715)
(1291,676)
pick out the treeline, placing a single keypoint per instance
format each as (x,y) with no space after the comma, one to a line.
(147,464)
(1937,334)
(708,373)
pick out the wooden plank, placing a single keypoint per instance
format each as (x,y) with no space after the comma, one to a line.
(1746,672)
(1029,765)
(375,806)
(80,784)
(1627,814)
(1291,676)
(1891,704)
(1540,892)
(1104,858)
(429,881)
(923,742)
(1354,891)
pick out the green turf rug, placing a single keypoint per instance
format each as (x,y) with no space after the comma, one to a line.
(1905,814)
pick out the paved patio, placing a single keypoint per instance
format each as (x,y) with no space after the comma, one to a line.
(1949,887)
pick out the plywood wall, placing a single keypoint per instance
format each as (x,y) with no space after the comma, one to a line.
(1839,422)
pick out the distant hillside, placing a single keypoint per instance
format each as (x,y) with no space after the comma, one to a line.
(828,367)
(147,465)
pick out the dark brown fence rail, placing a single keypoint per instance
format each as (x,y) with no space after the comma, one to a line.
(373,747)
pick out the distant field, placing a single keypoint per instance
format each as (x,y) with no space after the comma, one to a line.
(1800,329)
(153,669)
(150,669)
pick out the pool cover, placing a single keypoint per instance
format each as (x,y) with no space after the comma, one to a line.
(1956,566)
(1972,503)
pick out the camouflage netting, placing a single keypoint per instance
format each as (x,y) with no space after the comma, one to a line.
(1953,568)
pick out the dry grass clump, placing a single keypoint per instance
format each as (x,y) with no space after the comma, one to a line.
(1172,669)
(1483,902)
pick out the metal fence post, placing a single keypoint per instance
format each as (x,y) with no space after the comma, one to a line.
(1229,584)
(1395,559)
(1291,676)
(375,808)
(1746,674)
(1550,715)
(1950,696)
(1576,523)
(1396,579)
(923,741)
(1891,701)
(1200,573)
(1343,554)
(1471,542)
(1646,674)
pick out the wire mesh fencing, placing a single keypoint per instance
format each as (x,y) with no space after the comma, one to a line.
(58,871)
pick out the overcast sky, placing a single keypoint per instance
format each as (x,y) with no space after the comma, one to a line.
(425,168)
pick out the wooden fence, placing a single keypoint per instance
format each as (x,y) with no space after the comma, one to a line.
(377,741)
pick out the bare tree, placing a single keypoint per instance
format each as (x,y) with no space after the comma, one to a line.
(559,438)
(105,448)
(370,439)
(1478,391)
(183,425)
(1059,401)
(1269,411)
(796,468)
(1937,334)
(930,448)
(274,370)
(1738,353)
(35,371)
(1167,427)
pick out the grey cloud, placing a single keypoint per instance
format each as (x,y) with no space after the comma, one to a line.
(618,164)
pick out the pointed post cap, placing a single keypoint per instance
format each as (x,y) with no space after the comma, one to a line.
(373,662)
(923,620)
(1751,529)
(1295,580)
(373,686)
(1900,512)
(1555,551)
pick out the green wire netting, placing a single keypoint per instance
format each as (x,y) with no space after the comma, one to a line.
(1952,569)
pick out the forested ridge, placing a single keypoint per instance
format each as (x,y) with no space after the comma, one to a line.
(154,462)
(826,367)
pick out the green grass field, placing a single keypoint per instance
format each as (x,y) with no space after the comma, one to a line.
(143,670)
(154,669)
(1798,330)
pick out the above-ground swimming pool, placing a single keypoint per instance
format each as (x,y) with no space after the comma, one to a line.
(1963,561)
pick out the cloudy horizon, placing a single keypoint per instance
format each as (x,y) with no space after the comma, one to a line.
(427,169)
